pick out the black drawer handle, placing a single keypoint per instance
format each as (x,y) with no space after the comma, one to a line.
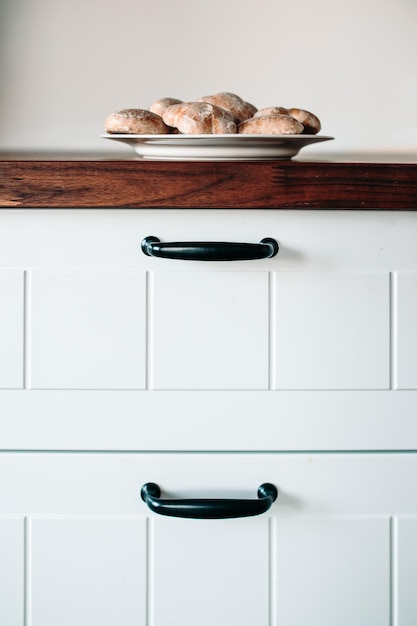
(210,250)
(212,508)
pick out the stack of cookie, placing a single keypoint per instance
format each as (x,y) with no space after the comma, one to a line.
(222,113)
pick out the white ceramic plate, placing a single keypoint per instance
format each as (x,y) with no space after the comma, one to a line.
(217,147)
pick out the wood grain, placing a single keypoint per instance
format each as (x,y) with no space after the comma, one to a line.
(271,185)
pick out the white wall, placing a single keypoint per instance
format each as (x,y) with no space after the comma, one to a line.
(65,64)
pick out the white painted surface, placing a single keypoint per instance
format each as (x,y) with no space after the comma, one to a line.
(12,335)
(87,330)
(406,330)
(406,568)
(12,570)
(209,420)
(331,330)
(209,330)
(339,567)
(220,576)
(87,571)
(351,62)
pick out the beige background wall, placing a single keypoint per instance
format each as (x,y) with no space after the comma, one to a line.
(65,65)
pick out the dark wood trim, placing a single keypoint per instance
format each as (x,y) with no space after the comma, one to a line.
(272,185)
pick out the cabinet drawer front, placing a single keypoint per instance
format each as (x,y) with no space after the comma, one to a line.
(100,314)
(104,333)
(343,523)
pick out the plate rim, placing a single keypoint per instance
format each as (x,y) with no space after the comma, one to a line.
(224,147)
(215,137)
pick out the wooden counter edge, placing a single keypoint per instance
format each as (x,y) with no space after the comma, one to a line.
(131,183)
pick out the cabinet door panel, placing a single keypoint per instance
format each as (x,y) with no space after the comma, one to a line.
(211,572)
(209,330)
(87,330)
(342,567)
(406,569)
(11,329)
(88,571)
(406,330)
(12,571)
(331,330)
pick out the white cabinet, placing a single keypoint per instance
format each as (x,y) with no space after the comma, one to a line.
(208,378)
